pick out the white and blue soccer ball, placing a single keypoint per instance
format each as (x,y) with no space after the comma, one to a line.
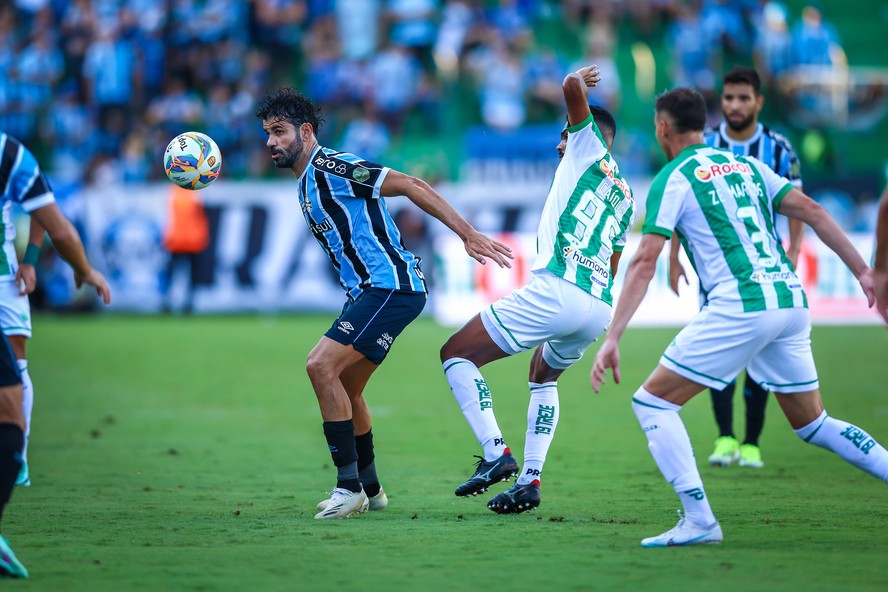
(192,160)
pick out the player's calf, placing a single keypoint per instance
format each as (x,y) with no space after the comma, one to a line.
(849,442)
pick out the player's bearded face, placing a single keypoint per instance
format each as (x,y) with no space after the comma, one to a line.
(739,105)
(284,143)
(739,122)
(288,155)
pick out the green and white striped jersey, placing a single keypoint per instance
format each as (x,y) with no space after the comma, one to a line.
(8,257)
(587,214)
(722,207)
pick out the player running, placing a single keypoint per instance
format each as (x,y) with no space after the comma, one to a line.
(564,308)
(756,316)
(342,202)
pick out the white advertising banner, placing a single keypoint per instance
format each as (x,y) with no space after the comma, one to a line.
(262,257)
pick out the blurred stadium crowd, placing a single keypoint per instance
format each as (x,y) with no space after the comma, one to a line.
(98,87)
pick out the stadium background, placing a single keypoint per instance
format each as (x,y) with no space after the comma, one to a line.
(184,453)
(465,94)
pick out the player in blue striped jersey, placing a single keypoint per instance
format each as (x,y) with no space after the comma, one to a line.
(744,135)
(22,181)
(341,197)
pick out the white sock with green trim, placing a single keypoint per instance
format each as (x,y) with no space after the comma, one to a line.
(671,448)
(476,403)
(27,401)
(542,418)
(848,441)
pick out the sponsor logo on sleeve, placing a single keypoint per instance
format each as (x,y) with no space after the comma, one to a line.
(360,174)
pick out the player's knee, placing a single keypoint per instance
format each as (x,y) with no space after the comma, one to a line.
(318,369)
(11,405)
(449,350)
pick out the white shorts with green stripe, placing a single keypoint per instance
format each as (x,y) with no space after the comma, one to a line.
(15,310)
(550,311)
(773,345)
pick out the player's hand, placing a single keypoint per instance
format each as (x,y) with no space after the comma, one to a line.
(676,272)
(590,75)
(26,279)
(96,279)
(866,284)
(880,290)
(479,246)
(608,356)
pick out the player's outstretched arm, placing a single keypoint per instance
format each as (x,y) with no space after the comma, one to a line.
(799,206)
(576,96)
(67,243)
(638,275)
(478,246)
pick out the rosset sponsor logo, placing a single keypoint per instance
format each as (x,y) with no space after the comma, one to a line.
(710,173)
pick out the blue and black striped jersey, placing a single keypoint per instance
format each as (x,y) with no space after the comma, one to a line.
(768,146)
(21,179)
(340,198)
(22,182)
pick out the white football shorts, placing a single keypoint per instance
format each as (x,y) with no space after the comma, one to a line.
(15,310)
(773,345)
(550,311)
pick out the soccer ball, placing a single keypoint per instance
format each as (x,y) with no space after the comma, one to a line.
(192,160)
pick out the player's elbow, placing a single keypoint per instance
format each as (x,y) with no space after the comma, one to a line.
(572,83)
(811,213)
(409,186)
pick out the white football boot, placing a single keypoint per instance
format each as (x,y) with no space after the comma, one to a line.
(685,533)
(344,503)
(377,502)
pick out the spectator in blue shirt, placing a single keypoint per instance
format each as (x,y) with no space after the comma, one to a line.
(814,42)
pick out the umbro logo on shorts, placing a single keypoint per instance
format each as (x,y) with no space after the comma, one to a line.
(346,327)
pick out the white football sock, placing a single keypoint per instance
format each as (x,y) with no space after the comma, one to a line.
(27,401)
(476,403)
(848,441)
(671,448)
(542,418)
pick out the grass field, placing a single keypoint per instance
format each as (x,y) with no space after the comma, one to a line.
(186,454)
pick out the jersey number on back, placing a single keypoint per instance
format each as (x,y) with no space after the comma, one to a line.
(588,215)
(749,214)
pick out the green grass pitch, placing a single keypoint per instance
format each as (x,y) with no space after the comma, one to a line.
(187,454)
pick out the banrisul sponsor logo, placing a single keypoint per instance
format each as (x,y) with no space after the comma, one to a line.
(545,421)
(321,227)
(859,438)
(708,174)
(485,401)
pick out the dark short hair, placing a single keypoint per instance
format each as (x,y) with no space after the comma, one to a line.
(686,106)
(744,75)
(292,106)
(604,120)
